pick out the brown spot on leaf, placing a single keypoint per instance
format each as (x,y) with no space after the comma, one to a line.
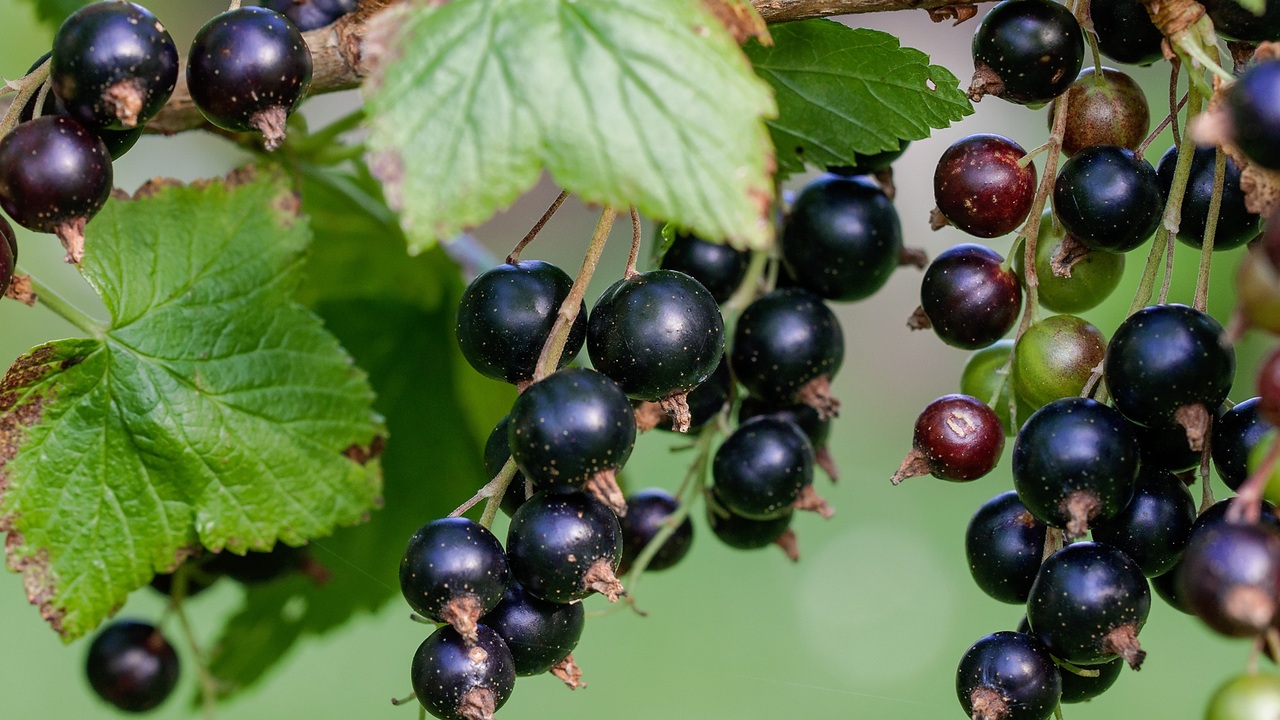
(363,454)
(741,19)
(154,187)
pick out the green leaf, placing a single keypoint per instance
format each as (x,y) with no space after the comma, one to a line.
(843,91)
(1257,7)
(396,314)
(53,12)
(624,102)
(213,411)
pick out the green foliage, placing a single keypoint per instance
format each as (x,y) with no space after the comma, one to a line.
(842,91)
(637,102)
(213,411)
(396,314)
(1257,7)
(54,12)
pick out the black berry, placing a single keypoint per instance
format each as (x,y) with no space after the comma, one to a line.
(718,266)
(786,348)
(969,297)
(1235,433)
(538,633)
(459,680)
(1125,31)
(563,546)
(453,570)
(1155,526)
(1229,576)
(1026,52)
(1008,676)
(1253,103)
(762,468)
(1108,198)
(132,666)
(648,512)
(1003,544)
(312,14)
(1236,225)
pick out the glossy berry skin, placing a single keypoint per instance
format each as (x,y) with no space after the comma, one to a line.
(554,540)
(117,142)
(647,513)
(1236,225)
(959,437)
(570,426)
(1028,51)
(982,377)
(1086,596)
(979,187)
(8,254)
(783,341)
(1075,450)
(1229,577)
(506,314)
(452,560)
(1235,433)
(761,469)
(969,297)
(539,634)
(1246,697)
(132,666)
(1012,670)
(1108,198)
(717,266)
(707,400)
(1233,22)
(742,533)
(842,239)
(1153,529)
(657,334)
(1166,357)
(52,172)
(1166,586)
(113,65)
(1107,108)
(496,452)
(1165,447)
(1055,357)
(1253,104)
(1003,544)
(245,63)
(1083,688)
(312,14)
(448,672)
(806,418)
(1125,31)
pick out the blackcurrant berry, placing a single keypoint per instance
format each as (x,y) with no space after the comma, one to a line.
(1008,676)
(1026,51)
(1075,462)
(54,176)
(1055,357)
(1088,604)
(1170,364)
(1125,31)
(506,314)
(1235,433)
(132,666)
(1236,225)
(496,452)
(563,546)
(539,634)
(984,374)
(459,680)
(255,568)
(1155,526)
(312,14)
(659,335)
(1234,22)
(842,239)
(787,347)
(814,426)
(1077,688)
(648,511)
(1104,108)
(1166,586)
(1108,198)
(453,570)
(118,142)
(981,187)
(742,533)
(247,70)
(572,429)
(1229,576)
(969,297)
(1165,447)
(717,266)
(113,65)
(1072,278)
(706,401)
(763,468)
(1004,543)
(957,438)
(1253,104)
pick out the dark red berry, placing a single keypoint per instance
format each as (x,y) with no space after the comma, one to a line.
(8,254)
(1108,198)
(980,187)
(1008,676)
(132,666)
(957,438)
(1269,389)
(970,298)
(1026,51)
(455,679)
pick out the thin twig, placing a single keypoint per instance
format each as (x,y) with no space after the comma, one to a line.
(1201,301)
(554,347)
(634,257)
(514,256)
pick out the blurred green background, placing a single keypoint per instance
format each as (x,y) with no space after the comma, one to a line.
(870,623)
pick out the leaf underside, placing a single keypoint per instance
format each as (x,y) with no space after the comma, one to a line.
(212,412)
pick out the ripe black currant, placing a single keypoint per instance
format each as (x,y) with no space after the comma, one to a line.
(1235,433)
(659,335)
(1229,576)
(1125,31)
(1088,604)
(1253,104)
(981,187)
(1236,225)
(1165,447)
(247,70)
(1108,198)
(453,570)
(572,429)
(496,452)
(563,546)
(705,401)
(842,239)
(1055,357)
(1004,543)
(1233,22)
(1008,676)
(743,533)
(132,666)
(539,634)
(969,297)
(54,176)
(113,65)
(255,568)
(1078,688)
(1075,462)
(8,255)
(506,314)
(1104,108)
(648,511)
(1026,51)
(1170,364)
(957,438)
(459,680)
(786,348)
(1154,527)
(763,468)
(814,426)
(312,14)
(718,266)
